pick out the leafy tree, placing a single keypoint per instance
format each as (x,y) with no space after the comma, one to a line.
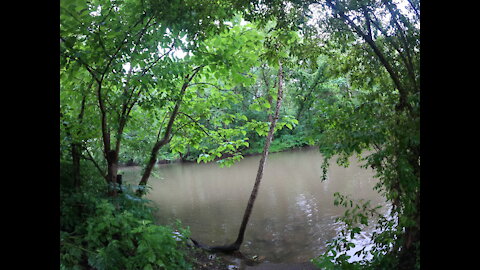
(275,50)
(127,48)
(268,140)
(74,103)
(101,37)
(227,58)
(380,55)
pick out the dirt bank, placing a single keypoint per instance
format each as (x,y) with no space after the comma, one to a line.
(203,260)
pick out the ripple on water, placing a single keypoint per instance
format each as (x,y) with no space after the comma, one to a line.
(293,216)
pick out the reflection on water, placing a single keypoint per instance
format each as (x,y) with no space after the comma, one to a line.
(293,216)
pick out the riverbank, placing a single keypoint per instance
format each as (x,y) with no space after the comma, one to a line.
(203,260)
(246,154)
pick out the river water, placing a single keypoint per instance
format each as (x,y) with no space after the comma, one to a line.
(293,216)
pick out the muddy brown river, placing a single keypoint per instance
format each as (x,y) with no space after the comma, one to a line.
(293,216)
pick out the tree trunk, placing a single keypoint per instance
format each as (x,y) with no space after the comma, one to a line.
(248,211)
(112,171)
(261,165)
(408,253)
(402,103)
(151,163)
(76,146)
(76,165)
(166,137)
(120,182)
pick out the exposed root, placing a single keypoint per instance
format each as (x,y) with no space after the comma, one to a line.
(233,248)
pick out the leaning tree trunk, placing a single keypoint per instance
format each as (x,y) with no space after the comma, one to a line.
(166,137)
(261,165)
(151,162)
(248,211)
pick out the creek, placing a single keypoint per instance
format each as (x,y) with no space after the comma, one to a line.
(293,216)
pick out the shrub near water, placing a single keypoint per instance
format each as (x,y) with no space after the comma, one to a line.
(116,234)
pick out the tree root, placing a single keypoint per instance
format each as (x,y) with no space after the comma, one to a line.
(232,248)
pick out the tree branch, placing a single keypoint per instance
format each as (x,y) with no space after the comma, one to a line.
(393,75)
(90,158)
(415,9)
(408,61)
(166,137)
(367,20)
(79,60)
(196,122)
(161,126)
(124,41)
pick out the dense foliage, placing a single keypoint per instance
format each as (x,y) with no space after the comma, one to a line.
(376,47)
(101,232)
(143,81)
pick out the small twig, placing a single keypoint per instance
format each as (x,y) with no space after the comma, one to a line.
(161,126)
(158,59)
(90,157)
(211,84)
(196,122)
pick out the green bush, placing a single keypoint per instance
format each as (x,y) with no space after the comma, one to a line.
(116,233)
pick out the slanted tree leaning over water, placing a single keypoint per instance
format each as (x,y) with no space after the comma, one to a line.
(248,211)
